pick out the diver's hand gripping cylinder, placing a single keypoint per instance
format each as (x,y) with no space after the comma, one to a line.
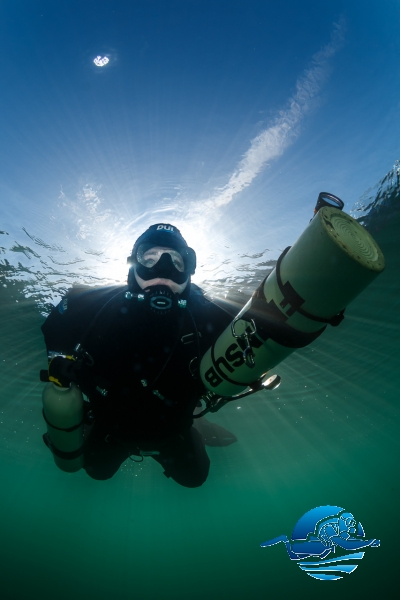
(330,264)
(63,412)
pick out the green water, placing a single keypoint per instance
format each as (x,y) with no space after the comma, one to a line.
(328,435)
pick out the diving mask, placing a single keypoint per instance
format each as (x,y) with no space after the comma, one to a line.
(149,257)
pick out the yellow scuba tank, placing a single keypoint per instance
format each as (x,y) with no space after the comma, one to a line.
(63,413)
(330,264)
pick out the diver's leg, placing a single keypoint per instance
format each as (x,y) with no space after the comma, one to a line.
(103,454)
(280,538)
(185,459)
(285,540)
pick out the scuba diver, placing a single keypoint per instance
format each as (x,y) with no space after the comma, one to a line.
(134,351)
(334,530)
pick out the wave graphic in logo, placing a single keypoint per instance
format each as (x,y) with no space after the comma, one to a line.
(330,569)
(321,531)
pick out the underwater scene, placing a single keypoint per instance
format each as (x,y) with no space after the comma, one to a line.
(226,120)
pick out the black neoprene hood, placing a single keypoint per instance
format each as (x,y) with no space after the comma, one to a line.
(164,234)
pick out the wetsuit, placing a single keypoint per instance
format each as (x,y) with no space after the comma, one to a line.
(140,376)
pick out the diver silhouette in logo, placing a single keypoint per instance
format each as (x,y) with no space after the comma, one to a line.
(319,531)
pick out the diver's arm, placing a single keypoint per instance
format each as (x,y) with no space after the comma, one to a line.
(354,543)
(62,331)
(64,325)
(67,322)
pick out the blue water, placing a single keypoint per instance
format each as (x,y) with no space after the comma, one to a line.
(227,120)
(328,435)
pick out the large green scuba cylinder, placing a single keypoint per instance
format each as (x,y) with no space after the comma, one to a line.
(63,413)
(330,264)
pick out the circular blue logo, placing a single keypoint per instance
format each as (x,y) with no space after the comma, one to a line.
(318,533)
